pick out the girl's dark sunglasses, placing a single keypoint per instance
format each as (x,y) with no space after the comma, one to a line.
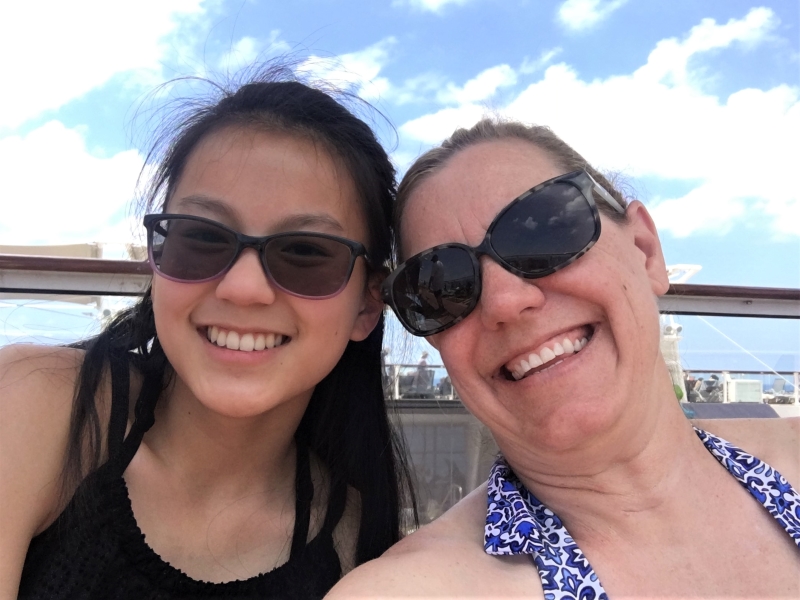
(193,250)
(543,230)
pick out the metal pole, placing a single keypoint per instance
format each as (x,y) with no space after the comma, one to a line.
(725,379)
(796,386)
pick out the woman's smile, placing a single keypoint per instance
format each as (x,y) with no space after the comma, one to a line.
(545,355)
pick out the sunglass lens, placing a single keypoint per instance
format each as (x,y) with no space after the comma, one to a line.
(309,265)
(435,288)
(545,230)
(191,250)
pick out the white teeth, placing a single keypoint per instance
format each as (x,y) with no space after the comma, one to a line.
(259,343)
(547,355)
(566,346)
(247,343)
(232,341)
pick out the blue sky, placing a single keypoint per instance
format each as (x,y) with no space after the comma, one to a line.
(695,104)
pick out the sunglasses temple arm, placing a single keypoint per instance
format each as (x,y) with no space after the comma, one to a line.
(607,197)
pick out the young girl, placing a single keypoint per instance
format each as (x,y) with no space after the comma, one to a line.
(227,436)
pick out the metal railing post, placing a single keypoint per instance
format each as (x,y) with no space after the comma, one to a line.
(796,386)
(726,377)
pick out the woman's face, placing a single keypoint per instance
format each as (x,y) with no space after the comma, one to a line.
(606,297)
(261,183)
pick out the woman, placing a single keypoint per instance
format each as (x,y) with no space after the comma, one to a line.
(549,328)
(226,436)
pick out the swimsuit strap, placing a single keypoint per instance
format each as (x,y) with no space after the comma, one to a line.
(143,418)
(765,484)
(304,495)
(120,391)
(337,499)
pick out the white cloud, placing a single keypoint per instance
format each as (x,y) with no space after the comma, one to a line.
(58,52)
(529,66)
(480,88)
(55,191)
(434,127)
(579,15)
(434,6)
(669,61)
(739,153)
(421,88)
(357,70)
(248,50)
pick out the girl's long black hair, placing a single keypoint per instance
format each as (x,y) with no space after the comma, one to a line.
(346,422)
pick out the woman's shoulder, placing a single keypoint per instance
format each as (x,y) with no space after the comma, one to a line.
(774,441)
(442,559)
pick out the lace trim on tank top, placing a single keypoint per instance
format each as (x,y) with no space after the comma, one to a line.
(518,523)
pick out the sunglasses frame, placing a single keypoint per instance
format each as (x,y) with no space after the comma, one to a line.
(581,180)
(258,243)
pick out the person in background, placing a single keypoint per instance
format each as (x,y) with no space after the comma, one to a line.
(551,337)
(227,435)
(422,382)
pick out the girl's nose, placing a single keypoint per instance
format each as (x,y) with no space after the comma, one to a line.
(246,282)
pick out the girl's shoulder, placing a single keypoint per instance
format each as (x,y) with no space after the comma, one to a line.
(36,390)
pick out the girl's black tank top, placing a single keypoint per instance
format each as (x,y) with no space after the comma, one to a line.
(95,549)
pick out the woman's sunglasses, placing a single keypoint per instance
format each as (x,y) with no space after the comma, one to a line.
(193,250)
(543,230)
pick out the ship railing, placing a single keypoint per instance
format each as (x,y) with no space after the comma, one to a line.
(450,451)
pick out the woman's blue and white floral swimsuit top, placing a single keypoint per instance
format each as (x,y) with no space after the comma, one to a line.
(517,523)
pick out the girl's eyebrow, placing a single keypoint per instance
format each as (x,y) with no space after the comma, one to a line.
(229,214)
(212,205)
(302,221)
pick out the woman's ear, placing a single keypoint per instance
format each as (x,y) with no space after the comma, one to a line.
(371,307)
(645,237)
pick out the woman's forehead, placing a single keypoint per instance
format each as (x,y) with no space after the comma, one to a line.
(459,200)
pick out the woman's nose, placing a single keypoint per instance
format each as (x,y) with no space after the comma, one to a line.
(505,297)
(246,282)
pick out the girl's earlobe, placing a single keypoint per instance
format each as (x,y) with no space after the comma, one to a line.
(371,307)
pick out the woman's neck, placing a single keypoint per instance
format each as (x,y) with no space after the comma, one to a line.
(650,458)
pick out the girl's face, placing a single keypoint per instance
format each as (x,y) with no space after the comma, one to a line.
(261,183)
(606,297)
